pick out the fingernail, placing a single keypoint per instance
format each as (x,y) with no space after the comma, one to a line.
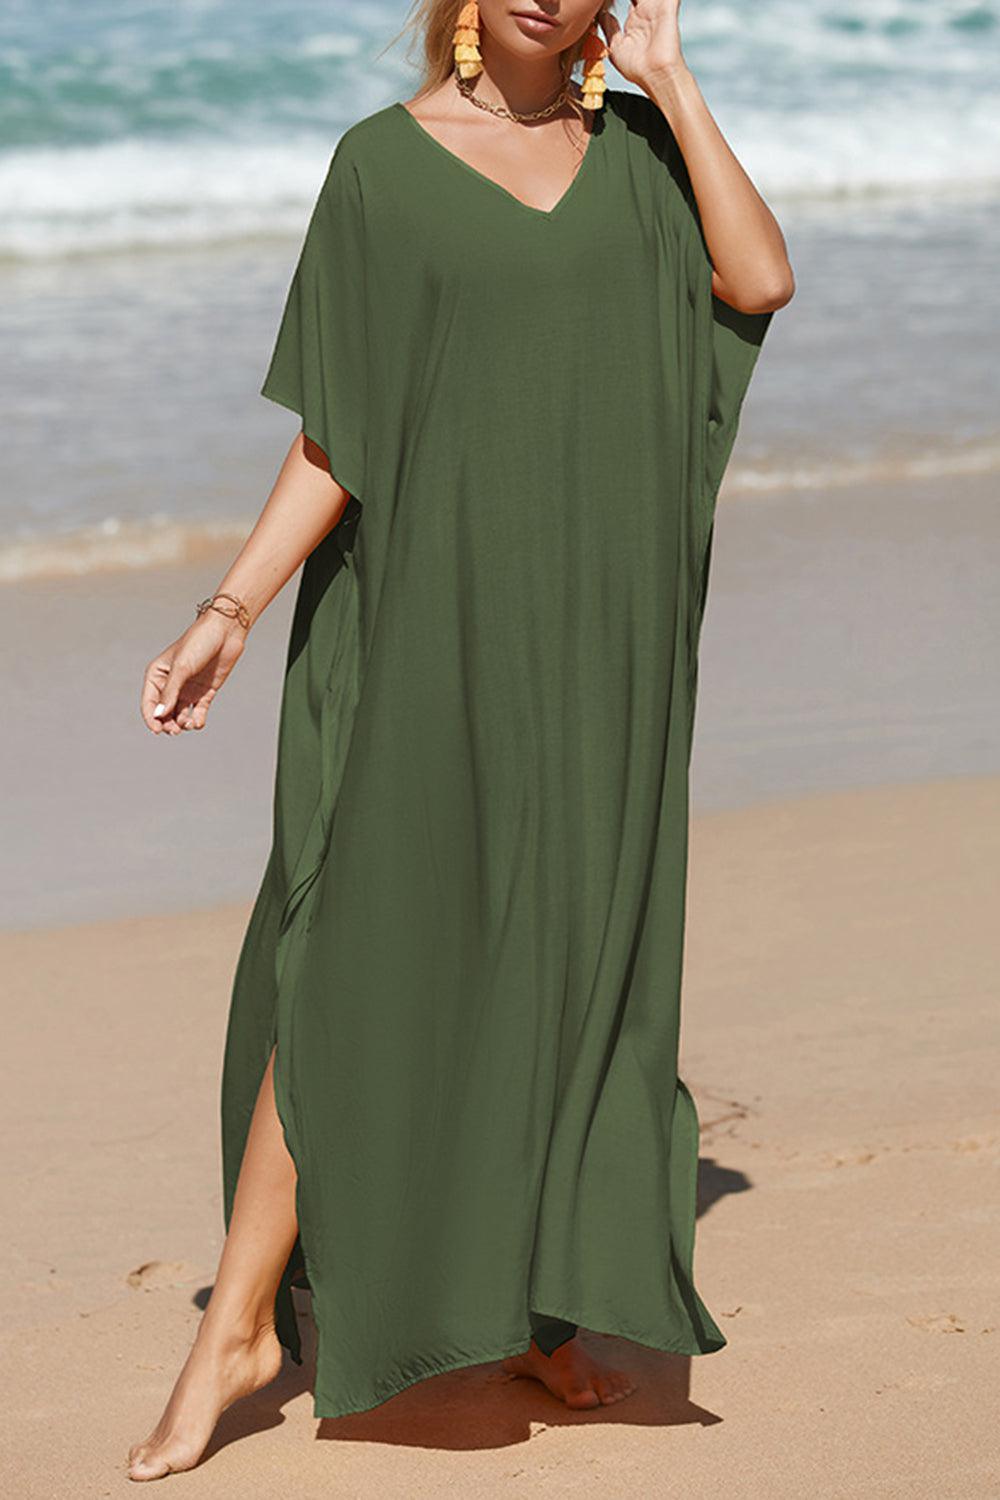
(159,710)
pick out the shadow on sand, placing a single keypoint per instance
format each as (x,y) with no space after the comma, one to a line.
(464,1410)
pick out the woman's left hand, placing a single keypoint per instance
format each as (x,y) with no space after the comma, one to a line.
(648,46)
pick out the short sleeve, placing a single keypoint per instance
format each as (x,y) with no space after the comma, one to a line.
(319,364)
(736,337)
(736,342)
(731,340)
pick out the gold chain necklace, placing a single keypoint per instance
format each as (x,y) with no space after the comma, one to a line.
(465,88)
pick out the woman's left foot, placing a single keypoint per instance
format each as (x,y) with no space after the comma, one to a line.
(572,1375)
(221,1367)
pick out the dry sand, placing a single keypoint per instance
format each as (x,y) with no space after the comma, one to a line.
(840,1040)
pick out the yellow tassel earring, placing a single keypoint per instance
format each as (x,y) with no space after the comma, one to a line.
(595,50)
(465,40)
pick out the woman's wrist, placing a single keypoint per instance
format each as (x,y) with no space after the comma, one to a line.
(666,85)
(254,591)
(229,607)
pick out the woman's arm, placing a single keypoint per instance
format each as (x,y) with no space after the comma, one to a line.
(304,505)
(751,270)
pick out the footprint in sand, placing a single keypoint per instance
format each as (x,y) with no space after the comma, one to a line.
(974,1143)
(852,1158)
(939,1323)
(154,1275)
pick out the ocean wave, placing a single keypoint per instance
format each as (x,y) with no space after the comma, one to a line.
(183,123)
(113,546)
(884,469)
(133,194)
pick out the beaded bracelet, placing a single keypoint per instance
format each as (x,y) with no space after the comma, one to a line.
(240,613)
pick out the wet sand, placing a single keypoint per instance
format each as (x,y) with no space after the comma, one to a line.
(849,640)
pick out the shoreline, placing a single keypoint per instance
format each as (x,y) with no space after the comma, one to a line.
(836,401)
(846,642)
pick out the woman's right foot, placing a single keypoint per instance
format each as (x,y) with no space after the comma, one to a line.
(572,1374)
(220,1368)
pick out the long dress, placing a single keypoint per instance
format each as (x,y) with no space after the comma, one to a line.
(467,942)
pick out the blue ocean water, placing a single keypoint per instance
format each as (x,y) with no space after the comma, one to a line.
(179,122)
(158,162)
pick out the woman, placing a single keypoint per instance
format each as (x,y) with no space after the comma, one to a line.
(520,330)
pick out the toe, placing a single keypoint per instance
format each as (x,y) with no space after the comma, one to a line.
(148,1468)
(613,1385)
(583,1397)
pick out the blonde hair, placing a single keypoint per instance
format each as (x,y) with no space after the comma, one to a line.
(432,22)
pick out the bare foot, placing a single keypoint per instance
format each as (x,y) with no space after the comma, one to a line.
(572,1374)
(220,1368)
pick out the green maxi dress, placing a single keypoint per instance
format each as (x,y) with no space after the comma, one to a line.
(467,943)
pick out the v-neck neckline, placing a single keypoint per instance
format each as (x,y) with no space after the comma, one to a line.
(596,129)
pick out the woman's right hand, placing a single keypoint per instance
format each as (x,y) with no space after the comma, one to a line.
(181,682)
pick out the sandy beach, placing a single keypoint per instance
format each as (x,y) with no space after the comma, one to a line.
(839,1030)
(839,1038)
